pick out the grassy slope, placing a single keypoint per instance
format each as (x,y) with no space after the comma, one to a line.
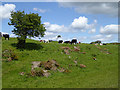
(102,73)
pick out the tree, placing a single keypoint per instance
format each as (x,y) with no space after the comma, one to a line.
(26,25)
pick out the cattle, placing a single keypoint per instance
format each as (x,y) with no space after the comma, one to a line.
(6,36)
(41,40)
(101,44)
(104,44)
(74,41)
(0,35)
(79,42)
(67,42)
(50,40)
(46,41)
(60,41)
(96,43)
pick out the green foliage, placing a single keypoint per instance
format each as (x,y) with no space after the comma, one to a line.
(26,25)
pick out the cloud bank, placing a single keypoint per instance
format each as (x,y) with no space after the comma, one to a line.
(5,10)
(105,8)
(40,10)
(109,29)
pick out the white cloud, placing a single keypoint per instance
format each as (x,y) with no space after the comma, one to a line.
(40,10)
(106,8)
(54,27)
(35,9)
(109,29)
(103,38)
(82,25)
(78,24)
(5,10)
(49,33)
(95,21)
(92,31)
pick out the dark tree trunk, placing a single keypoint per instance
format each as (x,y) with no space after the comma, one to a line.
(21,42)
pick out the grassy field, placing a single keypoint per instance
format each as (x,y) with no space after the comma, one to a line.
(99,73)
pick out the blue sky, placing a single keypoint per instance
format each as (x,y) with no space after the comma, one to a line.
(85,21)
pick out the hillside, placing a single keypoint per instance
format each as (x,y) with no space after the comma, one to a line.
(99,73)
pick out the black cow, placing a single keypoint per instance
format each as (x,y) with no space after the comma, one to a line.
(50,40)
(74,41)
(67,42)
(104,44)
(60,41)
(0,35)
(6,36)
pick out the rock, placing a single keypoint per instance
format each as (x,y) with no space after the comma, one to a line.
(61,52)
(22,73)
(33,73)
(35,64)
(61,70)
(69,57)
(9,59)
(76,48)
(75,61)
(83,52)
(45,71)
(53,61)
(109,53)
(70,65)
(67,48)
(48,65)
(94,58)
(46,74)
(54,68)
(66,52)
(41,68)
(67,71)
(82,66)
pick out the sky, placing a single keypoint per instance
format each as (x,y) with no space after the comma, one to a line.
(86,21)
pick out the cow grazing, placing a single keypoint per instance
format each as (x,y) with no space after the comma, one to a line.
(74,41)
(101,44)
(66,42)
(0,35)
(46,41)
(104,44)
(6,36)
(41,40)
(60,41)
(50,40)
